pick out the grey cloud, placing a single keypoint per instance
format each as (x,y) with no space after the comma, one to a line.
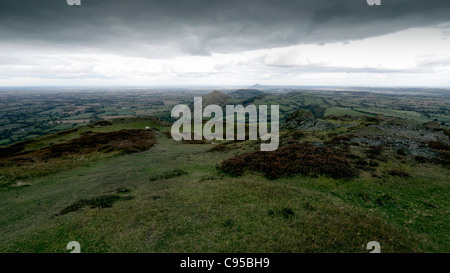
(324,68)
(336,69)
(434,61)
(199,27)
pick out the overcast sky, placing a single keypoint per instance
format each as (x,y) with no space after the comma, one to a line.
(225,42)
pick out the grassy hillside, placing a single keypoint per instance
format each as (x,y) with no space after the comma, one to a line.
(173,198)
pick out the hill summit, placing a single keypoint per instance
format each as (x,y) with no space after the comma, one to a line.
(215,97)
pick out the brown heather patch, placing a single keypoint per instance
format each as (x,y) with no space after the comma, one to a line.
(446,132)
(124,141)
(421,159)
(442,150)
(16,165)
(436,145)
(339,139)
(14,149)
(374,151)
(399,173)
(444,157)
(100,123)
(305,159)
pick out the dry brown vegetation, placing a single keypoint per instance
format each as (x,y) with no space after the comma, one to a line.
(374,151)
(306,159)
(399,173)
(16,163)
(339,140)
(436,145)
(442,150)
(124,141)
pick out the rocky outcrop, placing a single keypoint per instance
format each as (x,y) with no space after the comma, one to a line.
(304,120)
(410,139)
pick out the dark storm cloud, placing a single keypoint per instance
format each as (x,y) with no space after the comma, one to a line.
(198,27)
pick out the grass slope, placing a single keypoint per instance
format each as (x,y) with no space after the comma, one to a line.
(172,198)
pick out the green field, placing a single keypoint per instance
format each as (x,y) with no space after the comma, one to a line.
(339,111)
(407,115)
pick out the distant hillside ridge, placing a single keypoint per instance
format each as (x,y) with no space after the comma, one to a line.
(246,93)
(215,97)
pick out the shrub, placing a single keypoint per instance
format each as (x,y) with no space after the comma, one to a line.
(446,132)
(305,159)
(372,119)
(442,150)
(124,141)
(361,164)
(436,145)
(420,159)
(401,152)
(339,139)
(100,123)
(444,158)
(374,151)
(400,173)
(12,150)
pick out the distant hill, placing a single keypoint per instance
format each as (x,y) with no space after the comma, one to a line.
(246,93)
(215,97)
